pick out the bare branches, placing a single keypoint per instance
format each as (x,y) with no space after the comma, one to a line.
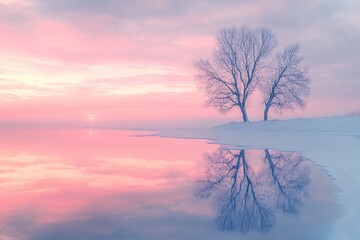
(289,84)
(232,74)
(221,93)
(240,64)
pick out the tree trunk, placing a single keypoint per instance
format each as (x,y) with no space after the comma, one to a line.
(244,114)
(266,112)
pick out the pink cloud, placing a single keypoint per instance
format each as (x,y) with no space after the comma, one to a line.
(55,40)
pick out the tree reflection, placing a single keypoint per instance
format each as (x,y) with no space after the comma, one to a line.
(247,194)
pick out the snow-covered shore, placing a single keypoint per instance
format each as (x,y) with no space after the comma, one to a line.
(333,143)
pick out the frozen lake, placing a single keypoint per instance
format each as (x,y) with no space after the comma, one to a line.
(114,184)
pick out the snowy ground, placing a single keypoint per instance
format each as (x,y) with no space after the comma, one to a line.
(333,143)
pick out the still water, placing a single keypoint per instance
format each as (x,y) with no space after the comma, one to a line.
(112,184)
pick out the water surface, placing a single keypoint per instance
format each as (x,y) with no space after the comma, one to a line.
(109,184)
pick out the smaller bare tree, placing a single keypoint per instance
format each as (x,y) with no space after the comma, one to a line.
(288,86)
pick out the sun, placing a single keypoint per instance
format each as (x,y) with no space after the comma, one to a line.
(90,117)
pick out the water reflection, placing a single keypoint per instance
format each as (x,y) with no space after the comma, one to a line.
(104,185)
(247,192)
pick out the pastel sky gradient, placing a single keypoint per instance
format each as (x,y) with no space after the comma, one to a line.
(130,62)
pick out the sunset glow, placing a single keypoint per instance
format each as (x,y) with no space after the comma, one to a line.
(132,64)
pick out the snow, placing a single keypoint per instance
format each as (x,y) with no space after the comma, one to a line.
(333,143)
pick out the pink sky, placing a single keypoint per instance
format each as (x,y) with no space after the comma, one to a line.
(131,62)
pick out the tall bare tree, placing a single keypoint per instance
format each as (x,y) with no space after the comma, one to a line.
(234,70)
(288,86)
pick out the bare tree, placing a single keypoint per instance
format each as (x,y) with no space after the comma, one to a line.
(235,68)
(288,86)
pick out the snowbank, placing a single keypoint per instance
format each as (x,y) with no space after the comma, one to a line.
(343,125)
